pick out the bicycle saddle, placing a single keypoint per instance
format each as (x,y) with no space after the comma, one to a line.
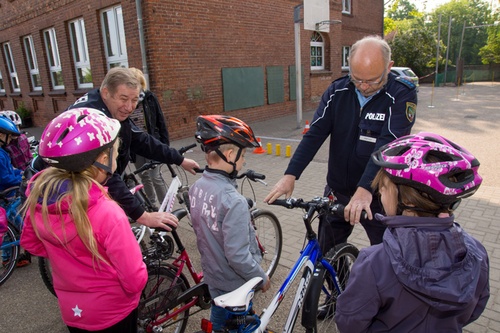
(239,299)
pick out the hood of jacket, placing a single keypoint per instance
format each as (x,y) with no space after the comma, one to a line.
(62,228)
(440,267)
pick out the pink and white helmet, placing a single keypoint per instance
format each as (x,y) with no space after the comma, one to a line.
(432,164)
(74,139)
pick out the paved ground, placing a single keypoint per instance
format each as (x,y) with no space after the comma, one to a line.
(469,115)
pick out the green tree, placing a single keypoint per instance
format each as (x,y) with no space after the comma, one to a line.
(413,45)
(401,10)
(490,53)
(470,12)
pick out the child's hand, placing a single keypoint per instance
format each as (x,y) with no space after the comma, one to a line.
(266,285)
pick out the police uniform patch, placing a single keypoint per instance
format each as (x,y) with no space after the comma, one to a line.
(411,109)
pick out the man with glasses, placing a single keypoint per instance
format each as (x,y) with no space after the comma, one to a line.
(359,112)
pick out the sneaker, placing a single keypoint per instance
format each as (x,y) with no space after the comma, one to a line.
(24,260)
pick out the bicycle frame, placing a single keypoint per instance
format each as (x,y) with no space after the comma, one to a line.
(310,257)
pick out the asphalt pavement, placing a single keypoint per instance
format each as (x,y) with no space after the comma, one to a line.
(468,115)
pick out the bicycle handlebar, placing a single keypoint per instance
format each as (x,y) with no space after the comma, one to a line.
(318,204)
(250,174)
(153,164)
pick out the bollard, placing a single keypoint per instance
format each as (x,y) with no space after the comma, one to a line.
(288,151)
(278,149)
(269,148)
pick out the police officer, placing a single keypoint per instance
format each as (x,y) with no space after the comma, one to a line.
(360,113)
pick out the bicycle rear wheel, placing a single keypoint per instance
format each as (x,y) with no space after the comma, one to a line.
(10,252)
(46,273)
(158,300)
(269,237)
(321,314)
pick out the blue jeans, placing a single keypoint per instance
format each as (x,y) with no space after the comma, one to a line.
(218,317)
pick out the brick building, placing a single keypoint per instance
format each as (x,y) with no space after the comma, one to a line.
(213,56)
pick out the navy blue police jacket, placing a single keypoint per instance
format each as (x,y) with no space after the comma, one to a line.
(135,140)
(355,132)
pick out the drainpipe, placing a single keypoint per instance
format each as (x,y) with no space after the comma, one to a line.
(138,6)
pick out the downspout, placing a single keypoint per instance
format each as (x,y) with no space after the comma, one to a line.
(138,6)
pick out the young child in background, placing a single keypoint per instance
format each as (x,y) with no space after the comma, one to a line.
(221,219)
(97,266)
(19,147)
(428,275)
(9,176)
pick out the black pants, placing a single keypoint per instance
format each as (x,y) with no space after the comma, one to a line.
(334,230)
(127,325)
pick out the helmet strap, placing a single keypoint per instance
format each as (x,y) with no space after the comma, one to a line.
(234,173)
(107,168)
(402,207)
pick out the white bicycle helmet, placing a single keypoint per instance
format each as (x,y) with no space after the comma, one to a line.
(12,115)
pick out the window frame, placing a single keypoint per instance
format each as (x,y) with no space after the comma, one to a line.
(32,62)
(52,50)
(314,43)
(80,52)
(346,51)
(113,34)
(346,7)
(2,86)
(11,67)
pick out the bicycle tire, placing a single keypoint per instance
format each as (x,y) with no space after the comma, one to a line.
(46,274)
(322,296)
(157,299)
(270,239)
(10,253)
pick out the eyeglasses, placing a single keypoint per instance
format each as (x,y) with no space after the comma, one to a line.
(368,82)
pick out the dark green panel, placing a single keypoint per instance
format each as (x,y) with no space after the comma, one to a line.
(243,87)
(275,85)
(292,77)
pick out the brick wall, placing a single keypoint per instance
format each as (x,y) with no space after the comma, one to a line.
(188,43)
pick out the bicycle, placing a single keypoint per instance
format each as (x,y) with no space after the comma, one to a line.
(168,296)
(323,279)
(10,247)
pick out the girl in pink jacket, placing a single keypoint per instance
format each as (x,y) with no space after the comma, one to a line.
(97,266)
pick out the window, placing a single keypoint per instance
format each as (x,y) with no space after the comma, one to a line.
(53,59)
(317,52)
(29,48)
(80,53)
(114,37)
(2,87)
(11,67)
(346,6)
(345,57)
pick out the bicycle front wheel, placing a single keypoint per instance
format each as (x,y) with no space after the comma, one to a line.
(341,258)
(10,252)
(158,306)
(269,237)
(46,273)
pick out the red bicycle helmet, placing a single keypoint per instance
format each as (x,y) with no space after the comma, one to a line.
(215,130)
(74,139)
(431,164)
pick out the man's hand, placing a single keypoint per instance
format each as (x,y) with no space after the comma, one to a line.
(190,165)
(360,201)
(284,186)
(163,220)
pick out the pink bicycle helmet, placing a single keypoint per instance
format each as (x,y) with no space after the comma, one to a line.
(74,139)
(215,130)
(432,164)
